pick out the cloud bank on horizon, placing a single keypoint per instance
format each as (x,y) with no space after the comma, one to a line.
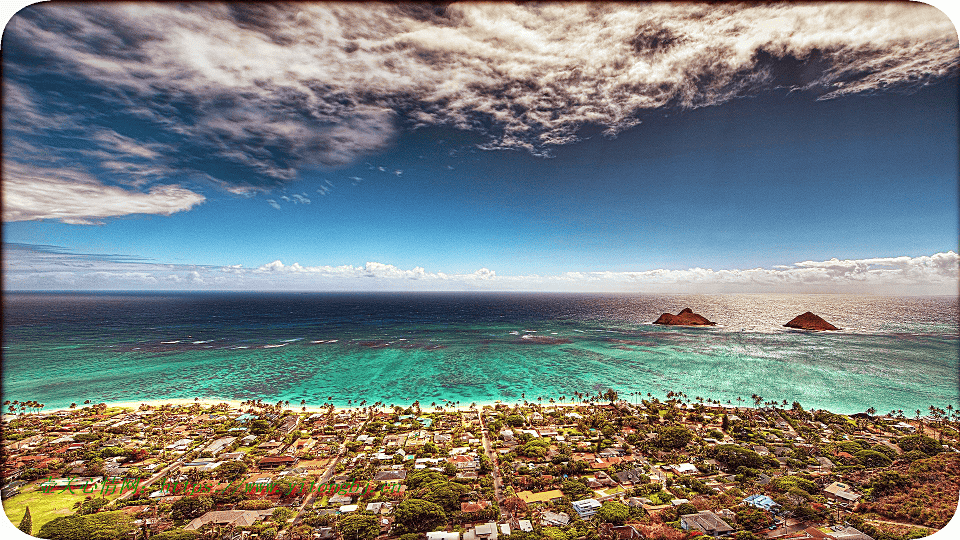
(137,108)
(31,267)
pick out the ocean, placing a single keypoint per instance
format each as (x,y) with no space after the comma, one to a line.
(893,353)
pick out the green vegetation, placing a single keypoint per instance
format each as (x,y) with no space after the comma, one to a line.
(418,515)
(360,526)
(101,526)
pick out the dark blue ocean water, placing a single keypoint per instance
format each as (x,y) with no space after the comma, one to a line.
(893,353)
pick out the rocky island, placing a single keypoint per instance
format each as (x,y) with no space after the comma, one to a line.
(809,321)
(685,318)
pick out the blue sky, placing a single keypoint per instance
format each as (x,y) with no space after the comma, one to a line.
(485,146)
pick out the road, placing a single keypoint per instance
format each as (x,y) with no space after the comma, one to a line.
(488,450)
(149,481)
(309,499)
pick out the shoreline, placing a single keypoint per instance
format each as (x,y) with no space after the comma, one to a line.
(238,406)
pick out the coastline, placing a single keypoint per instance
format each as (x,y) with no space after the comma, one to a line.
(237,405)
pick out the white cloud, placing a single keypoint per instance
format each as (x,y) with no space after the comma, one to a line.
(39,267)
(70,196)
(329,82)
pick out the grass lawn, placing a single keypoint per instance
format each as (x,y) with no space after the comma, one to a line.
(44,506)
(611,491)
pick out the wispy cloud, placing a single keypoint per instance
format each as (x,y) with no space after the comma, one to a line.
(47,267)
(75,197)
(250,94)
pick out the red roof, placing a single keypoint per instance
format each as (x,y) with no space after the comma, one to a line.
(278,459)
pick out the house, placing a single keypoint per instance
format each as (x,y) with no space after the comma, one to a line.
(555,519)
(905,426)
(836,532)
(706,522)
(440,535)
(843,493)
(683,468)
(390,477)
(270,445)
(219,445)
(180,445)
(627,532)
(379,507)
(289,424)
(470,507)
(238,518)
(486,531)
(631,476)
(273,462)
(524,525)
(586,507)
(339,499)
(762,502)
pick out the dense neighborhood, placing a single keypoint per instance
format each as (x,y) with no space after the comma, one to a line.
(580,468)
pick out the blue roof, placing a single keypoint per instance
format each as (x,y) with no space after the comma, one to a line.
(760,501)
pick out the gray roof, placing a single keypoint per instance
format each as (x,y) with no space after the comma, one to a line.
(707,522)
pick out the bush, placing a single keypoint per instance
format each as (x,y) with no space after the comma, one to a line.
(191,507)
(177,534)
(614,512)
(254,504)
(686,508)
(873,459)
(927,445)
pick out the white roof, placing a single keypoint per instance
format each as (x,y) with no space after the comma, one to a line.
(348,508)
(440,535)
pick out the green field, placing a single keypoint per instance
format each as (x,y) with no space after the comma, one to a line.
(45,506)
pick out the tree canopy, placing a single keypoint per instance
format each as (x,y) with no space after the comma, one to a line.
(418,515)
(358,527)
(674,437)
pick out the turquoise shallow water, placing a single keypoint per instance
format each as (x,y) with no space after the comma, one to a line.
(893,353)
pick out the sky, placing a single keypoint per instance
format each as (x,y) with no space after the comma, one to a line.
(555,147)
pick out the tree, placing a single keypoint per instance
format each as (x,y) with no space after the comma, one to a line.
(927,445)
(73,527)
(735,456)
(26,524)
(686,508)
(259,426)
(752,519)
(358,527)
(191,507)
(872,459)
(614,512)
(231,470)
(418,515)
(674,437)
(177,534)
(725,422)
(102,526)
(281,515)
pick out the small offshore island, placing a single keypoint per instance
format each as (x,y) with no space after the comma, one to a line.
(686,317)
(558,468)
(809,321)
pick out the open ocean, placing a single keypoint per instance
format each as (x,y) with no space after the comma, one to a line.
(892,353)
